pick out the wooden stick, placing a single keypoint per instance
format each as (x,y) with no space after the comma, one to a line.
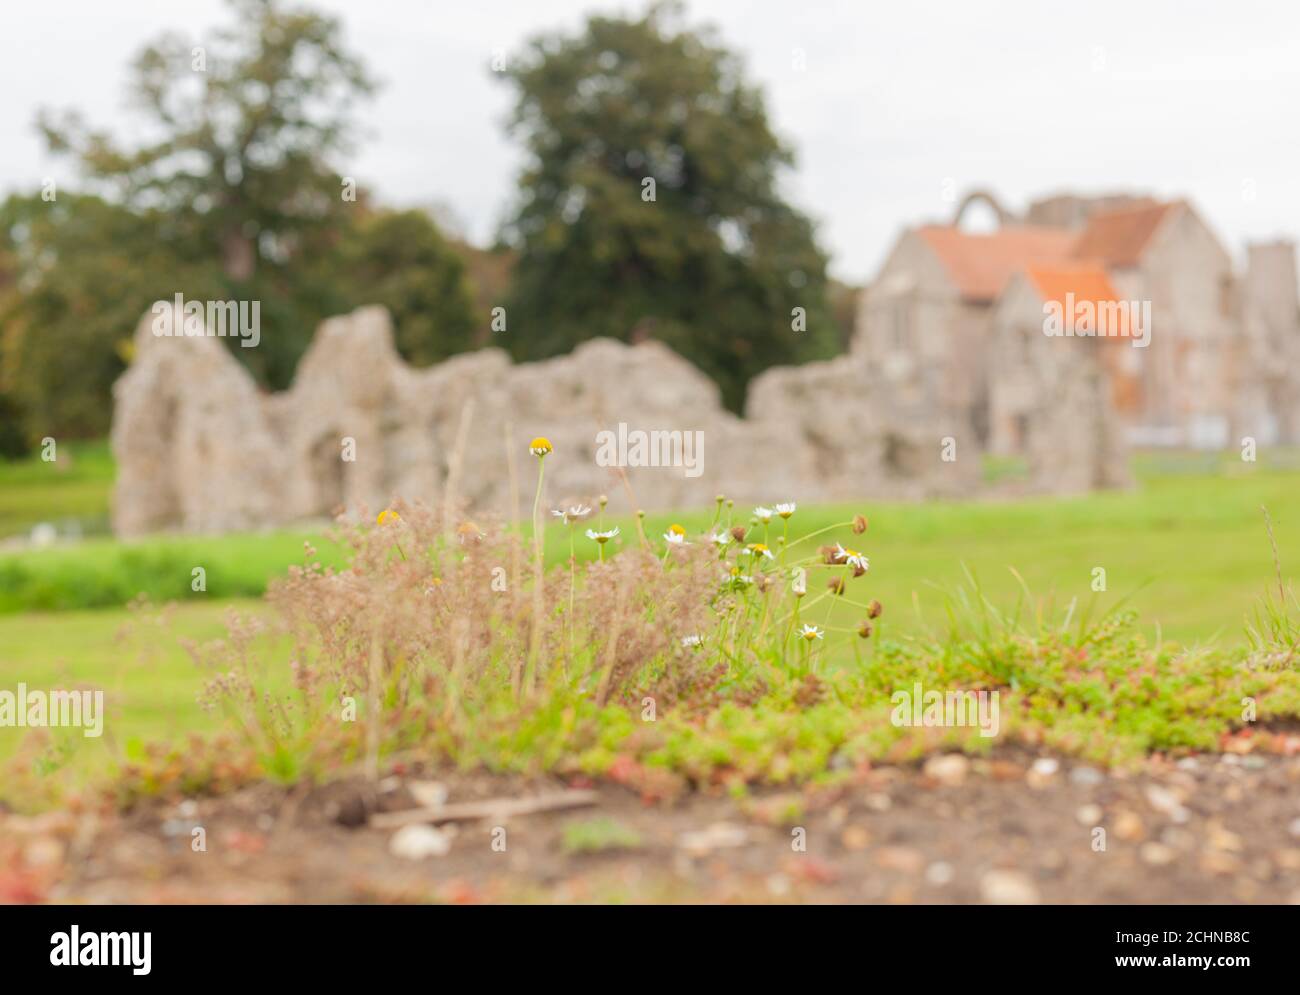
(502,808)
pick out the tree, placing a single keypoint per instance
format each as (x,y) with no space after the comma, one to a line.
(248,123)
(238,197)
(400,259)
(86,271)
(650,204)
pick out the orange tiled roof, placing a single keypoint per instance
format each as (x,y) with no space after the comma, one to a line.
(1089,282)
(1075,284)
(1119,237)
(980,264)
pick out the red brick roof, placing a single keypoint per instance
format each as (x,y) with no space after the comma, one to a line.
(1075,284)
(1119,237)
(980,264)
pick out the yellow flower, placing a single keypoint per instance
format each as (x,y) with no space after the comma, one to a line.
(676,535)
(388,515)
(540,446)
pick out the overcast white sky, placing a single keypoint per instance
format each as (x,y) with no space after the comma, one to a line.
(1028,97)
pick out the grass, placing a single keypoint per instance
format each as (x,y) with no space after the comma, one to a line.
(1188,551)
(71,492)
(103,572)
(151,685)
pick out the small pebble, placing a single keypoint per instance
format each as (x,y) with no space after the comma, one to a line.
(949,770)
(718,836)
(419,842)
(1128,826)
(1088,815)
(1008,888)
(1157,854)
(855,838)
(1086,777)
(1166,802)
(940,873)
(900,858)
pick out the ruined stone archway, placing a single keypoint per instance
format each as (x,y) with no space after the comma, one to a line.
(986,198)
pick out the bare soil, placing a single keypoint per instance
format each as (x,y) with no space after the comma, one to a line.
(1014,828)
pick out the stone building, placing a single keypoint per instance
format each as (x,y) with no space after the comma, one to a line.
(200,448)
(1221,359)
(924,320)
(1062,399)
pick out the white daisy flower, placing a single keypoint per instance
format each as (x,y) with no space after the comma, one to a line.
(757,549)
(764,515)
(676,535)
(602,537)
(720,538)
(692,641)
(787,509)
(810,632)
(574,513)
(851,557)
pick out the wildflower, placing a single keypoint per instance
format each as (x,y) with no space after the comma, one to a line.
(874,609)
(540,446)
(739,579)
(602,537)
(831,555)
(573,514)
(787,509)
(757,549)
(468,530)
(864,630)
(836,585)
(859,524)
(385,517)
(692,641)
(852,558)
(720,539)
(810,632)
(738,533)
(676,535)
(764,515)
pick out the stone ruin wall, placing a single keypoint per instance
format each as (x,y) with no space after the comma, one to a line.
(200,448)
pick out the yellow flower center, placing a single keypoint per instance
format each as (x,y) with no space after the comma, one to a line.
(677,530)
(386,516)
(540,446)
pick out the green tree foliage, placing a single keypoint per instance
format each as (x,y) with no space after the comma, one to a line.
(716,263)
(86,272)
(236,198)
(400,259)
(250,119)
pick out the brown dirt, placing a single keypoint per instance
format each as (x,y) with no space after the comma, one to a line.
(1212,829)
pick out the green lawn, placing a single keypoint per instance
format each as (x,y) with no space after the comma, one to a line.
(1187,548)
(71,491)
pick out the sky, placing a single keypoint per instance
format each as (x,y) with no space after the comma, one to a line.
(892,108)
